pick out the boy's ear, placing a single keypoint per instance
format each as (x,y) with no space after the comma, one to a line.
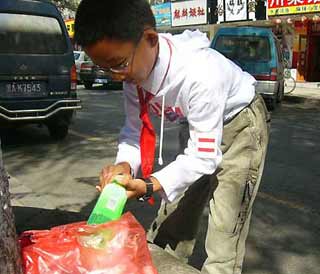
(152,37)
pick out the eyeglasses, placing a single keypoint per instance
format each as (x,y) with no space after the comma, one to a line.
(124,66)
(119,69)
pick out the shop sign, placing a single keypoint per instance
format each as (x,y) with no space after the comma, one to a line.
(236,10)
(284,7)
(70,27)
(162,14)
(189,13)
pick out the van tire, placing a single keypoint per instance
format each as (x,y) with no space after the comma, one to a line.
(280,94)
(58,130)
(271,103)
(88,85)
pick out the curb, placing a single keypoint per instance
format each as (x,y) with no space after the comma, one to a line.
(308,85)
(310,102)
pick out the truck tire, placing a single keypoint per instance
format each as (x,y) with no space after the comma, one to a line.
(58,131)
(59,126)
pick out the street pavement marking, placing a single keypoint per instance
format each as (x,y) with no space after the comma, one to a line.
(280,201)
(85,136)
(292,205)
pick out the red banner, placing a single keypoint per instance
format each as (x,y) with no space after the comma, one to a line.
(290,3)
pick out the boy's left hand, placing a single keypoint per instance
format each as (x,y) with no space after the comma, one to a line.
(135,188)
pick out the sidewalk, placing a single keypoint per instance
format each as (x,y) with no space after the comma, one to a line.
(308,90)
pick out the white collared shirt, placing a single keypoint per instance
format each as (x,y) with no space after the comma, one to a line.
(201,86)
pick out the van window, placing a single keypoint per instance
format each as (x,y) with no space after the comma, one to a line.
(244,48)
(30,34)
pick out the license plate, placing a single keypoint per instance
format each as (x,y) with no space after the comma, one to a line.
(102,81)
(25,89)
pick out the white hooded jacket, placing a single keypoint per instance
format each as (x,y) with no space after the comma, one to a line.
(194,82)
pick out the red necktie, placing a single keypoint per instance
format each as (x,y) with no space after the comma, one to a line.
(147,136)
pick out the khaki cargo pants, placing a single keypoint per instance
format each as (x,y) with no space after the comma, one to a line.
(231,191)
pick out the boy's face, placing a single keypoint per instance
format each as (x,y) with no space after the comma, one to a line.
(127,61)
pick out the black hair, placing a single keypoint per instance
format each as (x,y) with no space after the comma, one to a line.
(123,20)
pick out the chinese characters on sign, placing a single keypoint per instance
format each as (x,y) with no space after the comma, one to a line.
(192,12)
(280,3)
(189,13)
(235,10)
(283,7)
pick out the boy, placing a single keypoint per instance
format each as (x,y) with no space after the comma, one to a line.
(180,77)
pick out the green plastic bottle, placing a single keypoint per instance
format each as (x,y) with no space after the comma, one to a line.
(110,204)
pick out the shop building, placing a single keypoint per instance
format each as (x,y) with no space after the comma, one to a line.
(176,16)
(206,15)
(297,23)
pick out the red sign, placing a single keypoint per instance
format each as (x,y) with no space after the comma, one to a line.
(189,12)
(285,7)
(289,3)
(192,12)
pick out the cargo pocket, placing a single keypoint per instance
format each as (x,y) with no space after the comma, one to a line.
(246,202)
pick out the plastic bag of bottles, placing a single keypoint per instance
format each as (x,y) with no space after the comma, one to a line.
(116,247)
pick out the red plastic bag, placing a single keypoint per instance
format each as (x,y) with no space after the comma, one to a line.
(117,247)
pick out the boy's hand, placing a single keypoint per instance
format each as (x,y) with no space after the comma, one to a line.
(135,188)
(109,172)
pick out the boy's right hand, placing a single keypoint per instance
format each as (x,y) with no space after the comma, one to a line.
(110,171)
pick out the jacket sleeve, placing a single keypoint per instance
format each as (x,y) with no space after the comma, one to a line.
(202,156)
(129,138)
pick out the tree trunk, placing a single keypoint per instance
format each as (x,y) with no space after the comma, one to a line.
(10,261)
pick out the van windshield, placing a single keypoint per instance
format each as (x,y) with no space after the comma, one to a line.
(30,34)
(244,48)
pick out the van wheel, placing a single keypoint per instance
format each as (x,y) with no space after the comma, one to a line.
(280,94)
(88,85)
(58,130)
(271,103)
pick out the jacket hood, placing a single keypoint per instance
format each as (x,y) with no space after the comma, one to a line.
(191,40)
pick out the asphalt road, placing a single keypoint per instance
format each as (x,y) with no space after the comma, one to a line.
(53,183)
